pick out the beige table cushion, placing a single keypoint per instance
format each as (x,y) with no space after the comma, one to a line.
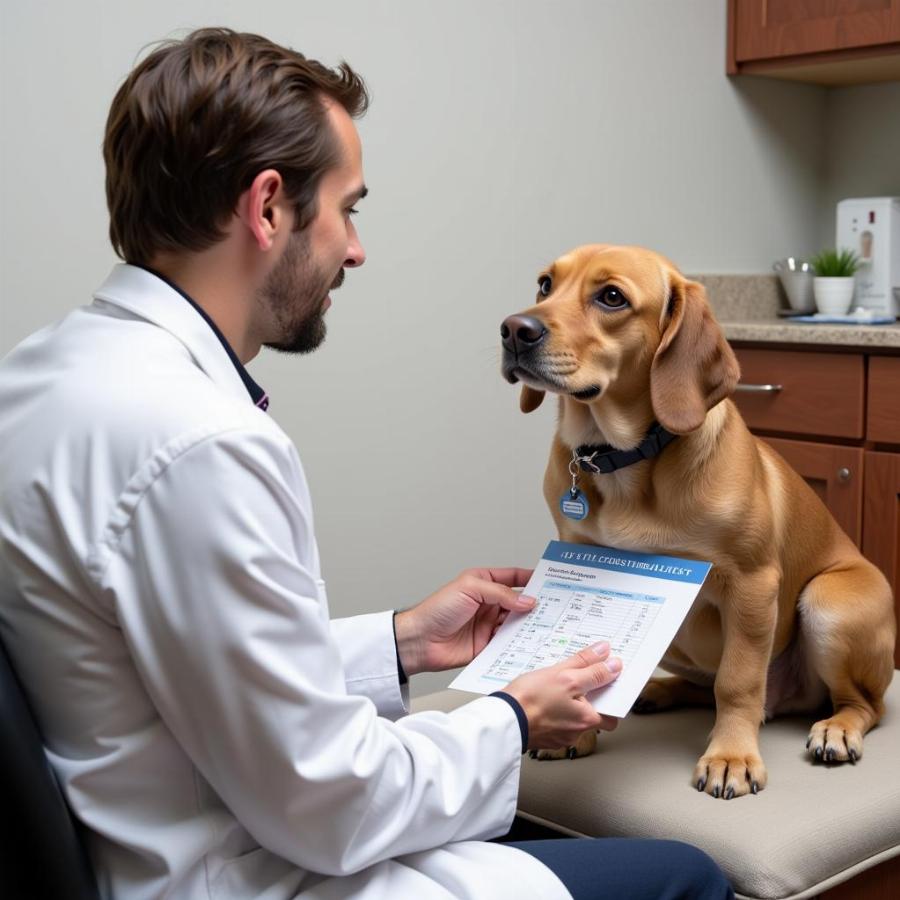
(813,827)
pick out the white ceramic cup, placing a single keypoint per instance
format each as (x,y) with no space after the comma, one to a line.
(833,295)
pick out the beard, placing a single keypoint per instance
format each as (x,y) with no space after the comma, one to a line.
(295,292)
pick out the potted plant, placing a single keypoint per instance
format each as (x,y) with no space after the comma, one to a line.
(834,281)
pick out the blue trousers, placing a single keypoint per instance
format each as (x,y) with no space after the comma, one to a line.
(630,869)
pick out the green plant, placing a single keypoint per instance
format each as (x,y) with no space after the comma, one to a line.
(835,264)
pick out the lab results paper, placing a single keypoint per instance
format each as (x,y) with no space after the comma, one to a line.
(587,594)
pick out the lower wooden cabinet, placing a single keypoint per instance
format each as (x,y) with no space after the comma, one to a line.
(881,516)
(835,418)
(835,473)
(803,393)
(883,412)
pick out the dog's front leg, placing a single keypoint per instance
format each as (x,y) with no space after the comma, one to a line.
(732,766)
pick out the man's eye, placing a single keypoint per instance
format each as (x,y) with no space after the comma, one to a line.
(545,285)
(352,211)
(611,298)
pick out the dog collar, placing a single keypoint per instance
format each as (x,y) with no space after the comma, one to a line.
(603,459)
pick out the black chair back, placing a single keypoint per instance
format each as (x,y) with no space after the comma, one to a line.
(42,855)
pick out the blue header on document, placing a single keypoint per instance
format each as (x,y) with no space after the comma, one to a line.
(669,568)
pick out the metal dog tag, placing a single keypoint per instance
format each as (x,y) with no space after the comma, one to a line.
(573,504)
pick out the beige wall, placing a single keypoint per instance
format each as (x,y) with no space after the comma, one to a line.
(501,133)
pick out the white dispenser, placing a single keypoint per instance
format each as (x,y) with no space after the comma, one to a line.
(870,227)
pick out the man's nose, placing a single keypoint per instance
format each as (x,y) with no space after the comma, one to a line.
(521,333)
(356,255)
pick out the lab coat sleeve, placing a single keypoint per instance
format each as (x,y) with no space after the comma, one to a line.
(207,564)
(369,654)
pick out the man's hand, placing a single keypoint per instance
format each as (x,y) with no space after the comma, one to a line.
(452,626)
(554,698)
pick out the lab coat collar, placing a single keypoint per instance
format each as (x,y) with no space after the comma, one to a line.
(152,298)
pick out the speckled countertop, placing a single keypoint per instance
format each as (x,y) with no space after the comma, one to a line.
(747,309)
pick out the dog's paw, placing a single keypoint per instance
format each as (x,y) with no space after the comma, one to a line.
(584,746)
(565,753)
(656,696)
(830,741)
(729,774)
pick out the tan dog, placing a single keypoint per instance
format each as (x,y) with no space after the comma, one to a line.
(791,612)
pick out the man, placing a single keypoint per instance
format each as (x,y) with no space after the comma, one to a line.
(160,589)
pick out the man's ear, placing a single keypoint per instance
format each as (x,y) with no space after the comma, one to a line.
(694,367)
(530,399)
(261,208)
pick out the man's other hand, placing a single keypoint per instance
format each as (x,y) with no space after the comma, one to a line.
(555,702)
(452,626)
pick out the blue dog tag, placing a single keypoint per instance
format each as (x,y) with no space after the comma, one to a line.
(573,504)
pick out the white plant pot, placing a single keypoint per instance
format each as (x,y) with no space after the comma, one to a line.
(833,295)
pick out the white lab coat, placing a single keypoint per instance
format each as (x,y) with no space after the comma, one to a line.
(161,598)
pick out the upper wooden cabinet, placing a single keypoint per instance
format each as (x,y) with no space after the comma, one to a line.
(829,42)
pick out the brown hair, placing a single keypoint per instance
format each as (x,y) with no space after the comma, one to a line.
(198,119)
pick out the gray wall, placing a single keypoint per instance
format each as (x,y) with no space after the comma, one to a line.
(502,132)
(862,148)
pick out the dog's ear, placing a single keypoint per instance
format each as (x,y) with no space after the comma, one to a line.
(694,367)
(530,399)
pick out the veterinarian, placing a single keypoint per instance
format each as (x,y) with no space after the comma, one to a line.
(160,589)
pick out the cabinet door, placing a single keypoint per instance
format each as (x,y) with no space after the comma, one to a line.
(774,29)
(882,519)
(835,473)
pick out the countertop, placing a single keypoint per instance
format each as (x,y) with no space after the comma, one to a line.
(783,331)
(746,307)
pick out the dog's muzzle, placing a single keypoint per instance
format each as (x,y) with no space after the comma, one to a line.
(521,337)
(521,334)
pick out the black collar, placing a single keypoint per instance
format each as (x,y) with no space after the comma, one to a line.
(259,397)
(602,458)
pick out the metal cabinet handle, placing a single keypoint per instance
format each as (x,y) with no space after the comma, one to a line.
(760,388)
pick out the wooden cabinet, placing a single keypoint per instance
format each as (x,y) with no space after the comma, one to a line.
(881,498)
(835,417)
(835,473)
(881,540)
(821,41)
(884,399)
(803,393)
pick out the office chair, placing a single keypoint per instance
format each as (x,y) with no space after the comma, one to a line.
(41,857)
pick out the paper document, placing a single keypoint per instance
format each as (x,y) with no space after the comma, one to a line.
(587,594)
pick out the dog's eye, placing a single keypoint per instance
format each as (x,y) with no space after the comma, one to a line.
(611,298)
(545,285)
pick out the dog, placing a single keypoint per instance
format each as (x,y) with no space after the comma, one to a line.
(791,613)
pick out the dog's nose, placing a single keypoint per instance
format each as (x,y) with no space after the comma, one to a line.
(520,333)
